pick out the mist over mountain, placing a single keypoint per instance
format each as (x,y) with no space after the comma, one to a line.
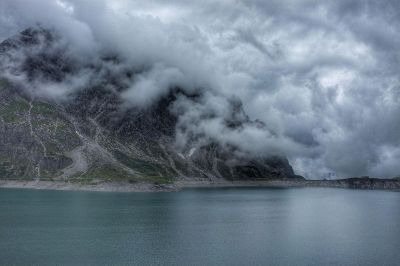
(91,130)
(240,81)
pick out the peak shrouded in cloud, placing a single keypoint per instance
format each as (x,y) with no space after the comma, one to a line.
(323,77)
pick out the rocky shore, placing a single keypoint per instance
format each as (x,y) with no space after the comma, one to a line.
(351,183)
(96,186)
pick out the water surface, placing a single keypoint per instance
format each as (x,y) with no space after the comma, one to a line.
(232,226)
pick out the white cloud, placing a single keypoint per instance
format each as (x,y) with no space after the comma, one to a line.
(322,76)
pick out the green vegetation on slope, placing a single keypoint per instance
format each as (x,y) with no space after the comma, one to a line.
(13,111)
(3,83)
(42,108)
(150,171)
(110,172)
(55,131)
(105,172)
(12,170)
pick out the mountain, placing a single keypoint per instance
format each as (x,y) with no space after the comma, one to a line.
(91,134)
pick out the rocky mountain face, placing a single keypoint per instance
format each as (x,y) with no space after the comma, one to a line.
(92,135)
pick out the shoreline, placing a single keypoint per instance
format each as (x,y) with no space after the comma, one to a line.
(103,186)
(95,187)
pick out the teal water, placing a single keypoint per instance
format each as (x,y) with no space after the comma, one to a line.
(236,226)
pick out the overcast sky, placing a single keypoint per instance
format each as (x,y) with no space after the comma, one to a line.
(322,75)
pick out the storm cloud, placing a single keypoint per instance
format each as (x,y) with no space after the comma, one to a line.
(323,76)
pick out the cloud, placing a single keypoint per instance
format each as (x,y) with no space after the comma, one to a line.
(322,76)
(149,87)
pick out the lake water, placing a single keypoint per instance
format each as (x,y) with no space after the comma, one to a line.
(232,226)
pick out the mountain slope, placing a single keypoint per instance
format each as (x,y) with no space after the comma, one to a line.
(93,134)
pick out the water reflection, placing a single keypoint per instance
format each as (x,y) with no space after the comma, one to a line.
(247,226)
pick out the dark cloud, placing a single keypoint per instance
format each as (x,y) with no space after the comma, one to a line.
(322,75)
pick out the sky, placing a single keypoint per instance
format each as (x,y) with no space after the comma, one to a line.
(323,76)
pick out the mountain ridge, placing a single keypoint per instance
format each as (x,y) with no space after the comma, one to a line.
(94,136)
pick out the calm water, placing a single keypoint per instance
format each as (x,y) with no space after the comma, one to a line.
(241,226)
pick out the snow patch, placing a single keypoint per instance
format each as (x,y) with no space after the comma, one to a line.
(192,150)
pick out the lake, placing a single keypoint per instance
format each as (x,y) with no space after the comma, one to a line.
(221,226)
